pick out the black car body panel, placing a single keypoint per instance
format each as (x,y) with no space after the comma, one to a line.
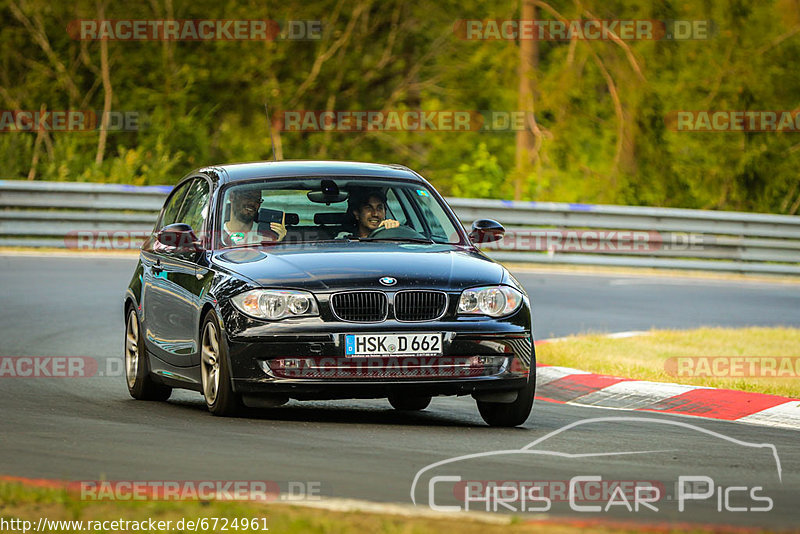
(351,265)
(172,291)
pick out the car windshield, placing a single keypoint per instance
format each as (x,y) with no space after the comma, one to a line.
(319,209)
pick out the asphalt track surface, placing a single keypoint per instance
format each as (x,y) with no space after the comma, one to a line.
(90,429)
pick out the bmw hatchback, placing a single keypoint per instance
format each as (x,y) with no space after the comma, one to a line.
(307,280)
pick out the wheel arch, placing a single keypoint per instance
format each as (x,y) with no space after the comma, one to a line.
(129,302)
(208,306)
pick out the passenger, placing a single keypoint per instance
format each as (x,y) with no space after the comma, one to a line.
(242,227)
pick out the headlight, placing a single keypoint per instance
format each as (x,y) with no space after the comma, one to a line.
(274,304)
(494,301)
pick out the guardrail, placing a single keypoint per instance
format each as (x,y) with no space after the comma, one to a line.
(44,214)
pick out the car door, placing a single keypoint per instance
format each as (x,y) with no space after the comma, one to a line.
(171,289)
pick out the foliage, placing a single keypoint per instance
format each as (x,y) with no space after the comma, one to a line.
(480,177)
(204,101)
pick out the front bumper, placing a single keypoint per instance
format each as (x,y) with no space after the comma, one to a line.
(310,363)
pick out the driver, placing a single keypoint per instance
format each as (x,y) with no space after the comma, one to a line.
(242,227)
(370,214)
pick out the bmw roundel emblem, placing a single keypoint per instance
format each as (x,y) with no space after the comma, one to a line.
(388,281)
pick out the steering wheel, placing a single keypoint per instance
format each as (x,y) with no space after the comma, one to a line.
(377,231)
(400,232)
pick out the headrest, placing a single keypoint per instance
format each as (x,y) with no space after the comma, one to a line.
(332,218)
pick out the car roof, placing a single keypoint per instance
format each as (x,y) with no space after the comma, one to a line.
(236,172)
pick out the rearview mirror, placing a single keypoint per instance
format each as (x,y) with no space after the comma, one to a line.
(328,193)
(486,231)
(178,237)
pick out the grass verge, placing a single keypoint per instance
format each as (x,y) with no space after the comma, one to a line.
(662,356)
(26,502)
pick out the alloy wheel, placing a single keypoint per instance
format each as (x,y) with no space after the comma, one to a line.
(210,363)
(131,348)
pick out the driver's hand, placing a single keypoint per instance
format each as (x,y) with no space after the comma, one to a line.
(279,229)
(389,223)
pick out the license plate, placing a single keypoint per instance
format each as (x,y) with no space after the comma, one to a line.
(392,344)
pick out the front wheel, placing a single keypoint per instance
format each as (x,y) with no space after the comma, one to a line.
(214,370)
(509,414)
(137,367)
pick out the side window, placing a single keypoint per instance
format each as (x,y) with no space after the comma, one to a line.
(407,209)
(195,205)
(393,208)
(172,207)
(433,214)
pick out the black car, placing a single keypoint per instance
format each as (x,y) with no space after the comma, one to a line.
(264,282)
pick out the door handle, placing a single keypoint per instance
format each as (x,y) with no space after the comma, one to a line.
(157,268)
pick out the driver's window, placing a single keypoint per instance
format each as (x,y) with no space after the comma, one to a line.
(173,206)
(195,205)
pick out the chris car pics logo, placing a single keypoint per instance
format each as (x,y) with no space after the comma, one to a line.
(460,483)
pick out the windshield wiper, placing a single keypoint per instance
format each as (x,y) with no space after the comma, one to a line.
(399,239)
(302,242)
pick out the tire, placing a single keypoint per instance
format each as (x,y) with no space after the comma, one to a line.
(214,370)
(137,365)
(407,403)
(509,414)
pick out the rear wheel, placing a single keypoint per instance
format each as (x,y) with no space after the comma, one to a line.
(409,403)
(511,413)
(214,370)
(137,367)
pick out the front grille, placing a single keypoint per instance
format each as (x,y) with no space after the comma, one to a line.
(419,305)
(395,367)
(360,306)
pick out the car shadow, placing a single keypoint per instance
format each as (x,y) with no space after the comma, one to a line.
(344,412)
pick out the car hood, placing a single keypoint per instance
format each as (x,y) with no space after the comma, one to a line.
(337,266)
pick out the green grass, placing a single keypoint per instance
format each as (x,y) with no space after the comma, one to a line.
(645,357)
(28,502)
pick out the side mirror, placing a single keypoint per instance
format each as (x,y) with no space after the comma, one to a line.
(486,231)
(178,237)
